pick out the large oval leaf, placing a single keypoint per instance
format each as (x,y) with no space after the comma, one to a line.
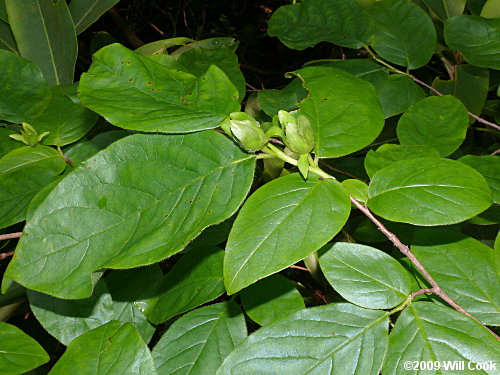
(24,94)
(428,191)
(134,92)
(489,167)
(464,268)
(19,352)
(344,110)
(437,121)
(429,332)
(281,223)
(45,34)
(309,22)
(340,339)
(365,276)
(394,37)
(478,39)
(398,93)
(199,341)
(136,202)
(112,349)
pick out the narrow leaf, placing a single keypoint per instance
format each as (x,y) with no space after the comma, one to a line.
(142,199)
(336,339)
(428,191)
(133,92)
(198,342)
(84,12)
(46,36)
(281,223)
(7,40)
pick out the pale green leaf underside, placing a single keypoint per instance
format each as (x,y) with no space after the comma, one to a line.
(136,202)
(198,342)
(281,223)
(465,268)
(429,332)
(335,339)
(19,352)
(365,276)
(134,92)
(428,191)
(111,349)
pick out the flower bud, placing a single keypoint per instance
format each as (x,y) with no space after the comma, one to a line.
(28,135)
(299,136)
(247,131)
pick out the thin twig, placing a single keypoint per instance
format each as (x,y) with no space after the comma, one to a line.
(495,152)
(134,40)
(328,166)
(299,268)
(422,291)
(10,236)
(6,255)
(406,251)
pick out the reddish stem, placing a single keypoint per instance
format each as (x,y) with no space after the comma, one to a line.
(10,236)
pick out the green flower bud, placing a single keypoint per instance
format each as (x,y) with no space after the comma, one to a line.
(299,136)
(247,131)
(28,135)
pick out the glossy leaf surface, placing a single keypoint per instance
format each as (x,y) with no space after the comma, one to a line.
(398,93)
(112,349)
(19,352)
(489,167)
(199,341)
(139,204)
(364,275)
(84,12)
(195,279)
(271,299)
(465,268)
(331,339)
(429,332)
(428,191)
(281,223)
(344,110)
(46,36)
(133,92)
(24,94)
(437,121)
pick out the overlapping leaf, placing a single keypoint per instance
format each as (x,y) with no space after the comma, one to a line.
(489,167)
(281,223)
(398,93)
(140,200)
(428,191)
(332,339)
(199,341)
(84,12)
(134,92)
(344,110)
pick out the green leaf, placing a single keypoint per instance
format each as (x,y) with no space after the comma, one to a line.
(161,46)
(437,121)
(111,349)
(464,268)
(139,205)
(470,86)
(393,33)
(65,121)
(357,189)
(7,40)
(199,341)
(271,299)
(429,332)
(398,93)
(196,279)
(428,191)
(126,288)
(491,9)
(24,171)
(24,94)
(20,353)
(344,110)
(7,144)
(281,223)
(332,339)
(446,8)
(45,35)
(133,92)
(489,167)
(477,38)
(364,275)
(285,99)
(84,12)
(68,319)
(389,154)
(302,25)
